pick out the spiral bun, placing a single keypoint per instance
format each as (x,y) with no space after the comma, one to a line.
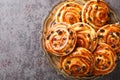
(95,13)
(86,36)
(78,63)
(60,40)
(110,34)
(105,59)
(70,13)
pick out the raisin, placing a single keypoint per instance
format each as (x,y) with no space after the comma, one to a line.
(48,37)
(66,51)
(108,62)
(59,32)
(67,5)
(78,69)
(102,30)
(94,39)
(98,1)
(52,32)
(59,14)
(68,62)
(72,38)
(71,33)
(98,60)
(80,12)
(100,36)
(89,42)
(104,67)
(111,33)
(118,34)
(81,25)
(71,72)
(66,67)
(88,35)
(89,19)
(109,14)
(113,46)
(83,67)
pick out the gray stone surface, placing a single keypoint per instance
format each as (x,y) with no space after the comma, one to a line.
(20,55)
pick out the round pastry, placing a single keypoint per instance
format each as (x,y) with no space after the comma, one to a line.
(105,59)
(110,34)
(79,63)
(60,40)
(96,13)
(86,36)
(70,13)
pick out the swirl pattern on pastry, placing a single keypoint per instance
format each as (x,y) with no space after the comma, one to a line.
(96,13)
(86,36)
(70,13)
(78,63)
(110,34)
(60,40)
(105,59)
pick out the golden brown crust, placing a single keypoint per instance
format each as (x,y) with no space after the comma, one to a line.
(78,63)
(110,34)
(95,13)
(70,13)
(105,59)
(60,40)
(86,36)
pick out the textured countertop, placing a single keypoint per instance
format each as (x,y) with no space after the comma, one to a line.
(20,55)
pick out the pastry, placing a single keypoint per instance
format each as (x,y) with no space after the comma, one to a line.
(79,63)
(96,13)
(70,13)
(105,59)
(60,40)
(86,36)
(110,34)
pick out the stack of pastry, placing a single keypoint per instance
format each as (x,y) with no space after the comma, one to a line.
(83,39)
